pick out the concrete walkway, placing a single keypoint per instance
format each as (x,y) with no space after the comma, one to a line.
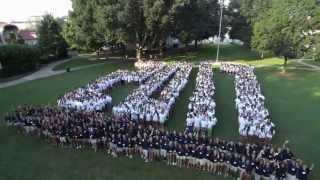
(44,72)
(302,62)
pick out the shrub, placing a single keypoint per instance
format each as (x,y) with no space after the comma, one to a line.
(17,59)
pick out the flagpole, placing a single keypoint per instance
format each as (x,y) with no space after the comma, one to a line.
(220,27)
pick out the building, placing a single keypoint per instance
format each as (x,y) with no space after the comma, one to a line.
(20,29)
(9,31)
(29,37)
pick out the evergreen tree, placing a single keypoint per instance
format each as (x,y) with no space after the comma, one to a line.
(50,39)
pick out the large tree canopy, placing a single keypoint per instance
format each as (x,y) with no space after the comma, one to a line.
(144,23)
(243,14)
(197,20)
(285,29)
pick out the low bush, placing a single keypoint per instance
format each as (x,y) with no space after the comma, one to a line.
(17,59)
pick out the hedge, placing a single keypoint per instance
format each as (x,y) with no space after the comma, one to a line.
(17,59)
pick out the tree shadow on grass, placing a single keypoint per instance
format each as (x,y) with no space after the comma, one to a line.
(208,52)
(293,99)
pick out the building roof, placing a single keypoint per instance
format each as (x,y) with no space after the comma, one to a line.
(28,35)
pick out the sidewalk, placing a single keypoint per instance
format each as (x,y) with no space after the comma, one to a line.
(301,61)
(44,72)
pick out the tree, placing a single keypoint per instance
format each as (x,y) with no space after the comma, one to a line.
(50,39)
(10,33)
(252,9)
(145,23)
(242,17)
(197,20)
(69,34)
(240,26)
(283,28)
(83,19)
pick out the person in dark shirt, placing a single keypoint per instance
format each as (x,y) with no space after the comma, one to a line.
(267,170)
(119,145)
(179,152)
(250,164)
(145,148)
(292,169)
(170,153)
(286,154)
(131,145)
(151,150)
(185,155)
(221,164)
(163,144)
(115,141)
(304,172)
(180,138)
(230,147)
(185,139)
(138,147)
(235,163)
(192,159)
(258,173)
(280,171)
(214,158)
(174,153)
(227,164)
(208,163)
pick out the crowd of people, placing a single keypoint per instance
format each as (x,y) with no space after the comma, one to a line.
(201,108)
(141,106)
(253,116)
(123,137)
(93,97)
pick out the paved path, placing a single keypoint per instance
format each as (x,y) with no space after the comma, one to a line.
(302,62)
(44,72)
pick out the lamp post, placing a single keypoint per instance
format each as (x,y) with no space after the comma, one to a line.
(221,15)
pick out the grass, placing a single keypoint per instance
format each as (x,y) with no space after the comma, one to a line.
(312,62)
(227,126)
(208,52)
(78,61)
(177,119)
(293,98)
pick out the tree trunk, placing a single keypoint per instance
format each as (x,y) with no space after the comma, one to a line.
(161,49)
(111,49)
(124,49)
(139,53)
(285,60)
(262,55)
(196,44)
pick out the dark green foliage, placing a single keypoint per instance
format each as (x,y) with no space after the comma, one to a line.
(240,26)
(82,31)
(144,23)
(17,59)
(197,20)
(284,28)
(50,40)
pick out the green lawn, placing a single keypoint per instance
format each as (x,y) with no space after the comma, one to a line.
(178,115)
(293,98)
(317,63)
(208,52)
(82,60)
